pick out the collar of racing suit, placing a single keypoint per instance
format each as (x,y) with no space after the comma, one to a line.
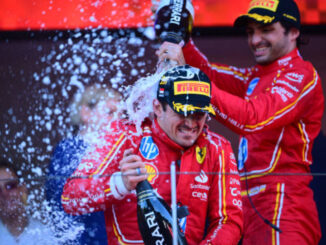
(283,61)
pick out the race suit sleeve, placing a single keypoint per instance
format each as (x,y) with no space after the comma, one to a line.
(89,188)
(228,78)
(225,207)
(291,91)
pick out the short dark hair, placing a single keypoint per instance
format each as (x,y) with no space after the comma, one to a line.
(164,104)
(288,26)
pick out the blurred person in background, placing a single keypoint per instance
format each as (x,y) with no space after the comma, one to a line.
(16,223)
(276,106)
(90,110)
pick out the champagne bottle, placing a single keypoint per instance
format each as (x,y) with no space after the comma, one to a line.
(154,217)
(174,20)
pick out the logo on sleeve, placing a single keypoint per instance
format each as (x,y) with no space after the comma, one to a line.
(148,148)
(200,154)
(252,85)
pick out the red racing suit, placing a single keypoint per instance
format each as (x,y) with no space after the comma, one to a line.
(209,194)
(277,111)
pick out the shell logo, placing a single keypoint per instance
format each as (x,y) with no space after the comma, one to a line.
(152,172)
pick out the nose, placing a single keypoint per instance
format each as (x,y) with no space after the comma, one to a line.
(256,38)
(190,122)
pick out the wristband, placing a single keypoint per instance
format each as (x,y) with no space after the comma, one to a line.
(118,188)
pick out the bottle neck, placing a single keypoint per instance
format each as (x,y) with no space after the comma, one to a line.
(143,186)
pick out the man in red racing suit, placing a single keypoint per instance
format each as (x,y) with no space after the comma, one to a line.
(277,110)
(209,194)
(276,107)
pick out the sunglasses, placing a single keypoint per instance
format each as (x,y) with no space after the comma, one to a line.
(9,186)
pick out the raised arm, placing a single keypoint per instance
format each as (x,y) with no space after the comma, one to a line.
(228,78)
(286,100)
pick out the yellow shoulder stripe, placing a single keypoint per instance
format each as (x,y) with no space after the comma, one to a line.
(225,68)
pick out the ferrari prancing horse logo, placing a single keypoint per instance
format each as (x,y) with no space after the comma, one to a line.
(200,154)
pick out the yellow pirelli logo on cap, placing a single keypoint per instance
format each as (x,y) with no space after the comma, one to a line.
(191,87)
(265,4)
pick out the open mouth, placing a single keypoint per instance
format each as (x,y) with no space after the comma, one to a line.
(261,49)
(187,130)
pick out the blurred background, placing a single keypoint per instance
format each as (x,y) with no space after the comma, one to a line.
(50,49)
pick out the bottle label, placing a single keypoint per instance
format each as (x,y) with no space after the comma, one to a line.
(144,195)
(151,222)
(176,12)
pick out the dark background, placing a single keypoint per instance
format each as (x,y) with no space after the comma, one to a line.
(40,71)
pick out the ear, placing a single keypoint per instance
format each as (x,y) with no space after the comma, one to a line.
(157,108)
(294,34)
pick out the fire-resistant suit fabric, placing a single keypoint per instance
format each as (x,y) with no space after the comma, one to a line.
(209,194)
(277,111)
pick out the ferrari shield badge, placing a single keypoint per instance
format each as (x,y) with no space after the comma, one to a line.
(200,154)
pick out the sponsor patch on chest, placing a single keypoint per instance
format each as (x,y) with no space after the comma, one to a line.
(294,77)
(152,172)
(148,148)
(200,188)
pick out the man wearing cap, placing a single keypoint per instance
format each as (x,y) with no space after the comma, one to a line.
(177,133)
(276,106)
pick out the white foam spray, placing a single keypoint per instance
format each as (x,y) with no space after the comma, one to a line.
(139,102)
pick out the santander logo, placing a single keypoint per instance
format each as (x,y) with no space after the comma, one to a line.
(202,177)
